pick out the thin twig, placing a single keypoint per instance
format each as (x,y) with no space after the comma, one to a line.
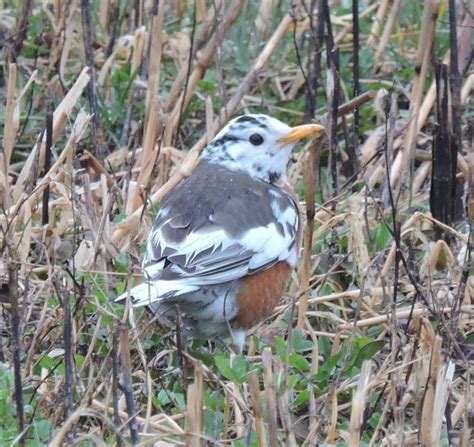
(92,85)
(356,88)
(47,165)
(127,382)
(16,329)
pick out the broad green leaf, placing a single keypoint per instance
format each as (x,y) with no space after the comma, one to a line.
(368,351)
(302,398)
(223,365)
(299,362)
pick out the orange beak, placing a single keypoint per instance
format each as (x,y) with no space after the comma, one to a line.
(299,132)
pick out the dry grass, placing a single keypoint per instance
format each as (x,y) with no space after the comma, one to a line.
(106,107)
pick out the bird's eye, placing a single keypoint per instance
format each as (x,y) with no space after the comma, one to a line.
(256,139)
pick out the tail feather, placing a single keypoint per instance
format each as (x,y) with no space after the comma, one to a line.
(152,292)
(141,295)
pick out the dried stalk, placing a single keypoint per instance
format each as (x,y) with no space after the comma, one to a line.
(79,127)
(379,18)
(464,48)
(257,408)
(421,70)
(191,159)
(47,165)
(311,167)
(194,405)
(60,117)
(400,314)
(13,290)
(97,141)
(127,382)
(201,65)
(68,355)
(387,31)
(11,120)
(359,402)
(180,78)
(154,69)
(270,396)
(333,91)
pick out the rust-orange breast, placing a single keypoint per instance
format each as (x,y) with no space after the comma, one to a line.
(260,294)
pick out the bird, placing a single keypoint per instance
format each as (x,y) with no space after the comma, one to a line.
(227,237)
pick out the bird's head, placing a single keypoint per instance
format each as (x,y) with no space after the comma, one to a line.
(257,145)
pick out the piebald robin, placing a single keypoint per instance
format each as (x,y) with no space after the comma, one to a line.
(226,239)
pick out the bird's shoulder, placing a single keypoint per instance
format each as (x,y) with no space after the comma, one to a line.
(214,196)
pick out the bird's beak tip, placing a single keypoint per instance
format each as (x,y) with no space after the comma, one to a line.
(299,132)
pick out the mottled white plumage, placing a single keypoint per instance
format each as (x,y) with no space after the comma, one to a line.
(229,258)
(232,147)
(228,219)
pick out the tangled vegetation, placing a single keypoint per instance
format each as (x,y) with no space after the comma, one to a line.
(105,106)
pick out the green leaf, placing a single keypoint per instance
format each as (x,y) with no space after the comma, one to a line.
(79,360)
(179,398)
(214,400)
(382,235)
(300,344)
(293,381)
(47,362)
(207,85)
(302,398)
(162,398)
(223,365)
(299,362)
(121,264)
(120,287)
(280,347)
(329,366)
(368,351)
(239,369)
(101,297)
(205,358)
(213,423)
(42,429)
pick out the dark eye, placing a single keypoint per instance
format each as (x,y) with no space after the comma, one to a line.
(256,139)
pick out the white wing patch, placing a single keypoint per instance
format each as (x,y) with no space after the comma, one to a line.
(267,243)
(211,256)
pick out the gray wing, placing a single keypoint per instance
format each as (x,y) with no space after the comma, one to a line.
(201,238)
